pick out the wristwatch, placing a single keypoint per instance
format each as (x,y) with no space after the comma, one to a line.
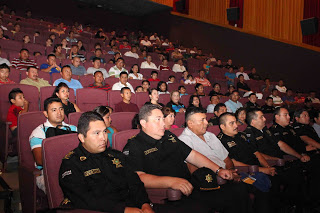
(218,170)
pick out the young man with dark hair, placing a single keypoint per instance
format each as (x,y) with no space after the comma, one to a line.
(252,103)
(99,82)
(51,66)
(23,62)
(219,109)
(233,103)
(268,107)
(4,74)
(125,105)
(33,80)
(114,72)
(96,62)
(123,82)
(98,54)
(74,52)
(76,67)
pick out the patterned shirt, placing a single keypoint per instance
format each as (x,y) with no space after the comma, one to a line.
(20,64)
(105,87)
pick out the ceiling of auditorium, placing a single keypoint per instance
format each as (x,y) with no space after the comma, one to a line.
(128,7)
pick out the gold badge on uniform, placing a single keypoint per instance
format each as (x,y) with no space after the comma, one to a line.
(231,144)
(82,158)
(172,139)
(65,201)
(209,178)
(117,162)
(67,156)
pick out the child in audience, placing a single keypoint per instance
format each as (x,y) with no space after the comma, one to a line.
(138,89)
(162,88)
(154,76)
(4,74)
(190,80)
(145,86)
(18,105)
(172,79)
(182,91)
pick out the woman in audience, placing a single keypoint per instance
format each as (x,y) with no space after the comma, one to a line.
(62,91)
(143,55)
(216,90)
(206,66)
(195,101)
(2,36)
(174,102)
(134,73)
(64,43)
(178,66)
(145,85)
(154,97)
(199,90)
(164,65)
(184,77)
(148,64)
(243,87)
(49,42)
(241,116)
(105,113)
(100,35)
(162,88)
(58,51)
(80,46)
(169,115)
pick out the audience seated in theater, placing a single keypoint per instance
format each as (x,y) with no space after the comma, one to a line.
(74,52)
(219,64)
(299,97)
(230,65)
(33,80)
(115,58)
(76,67)
(145,42)
(230,76)
(154,37)
(114,72)
(18,106)
(96,62)
(16,29)
(174,102)
(202,80)
(99,81)
(143,55)
(206,66)
(216,90)
(145,85)
(4,60)
(51,65)
(70,38)
(105,114)
(241,72)
(267,87)
(2,36)
(154,97)
(4,74)
(252,103)
(114,50)
(187,54)
(178,66)
(62,92)
(26,39)
(190,80)
(241,114)
(59,29)
(65,46)
(123,82)
(243,87)
(132,53)
(281,87)
(268,107)
(184,77)
(101,35)
(169,117)
(98,54)
(182,90)
(194,101)
(162,88)
(135,73)
(80,46)
(199,54)
(154,76)
(164,65)
(125,105)
(171,79)
(233,103)
(176,55)
(214,100)
(58,52)
(312,96)
(316,122)
(53,110)
(231,88)
(148,64)
(49,42)
(277,101)
(23,62)
(66,74)
(138,89)
(219,109)
(288,98)
(125,45)
(199,90)
(213,59)
(253,75)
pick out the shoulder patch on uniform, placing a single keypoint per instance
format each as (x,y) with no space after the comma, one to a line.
(248,135)
(110,155)
(296,127)
(243,136)
(276,133)
(91,172)
(231,144)
(66,173)
(219,136)
(126,152)
(67,156)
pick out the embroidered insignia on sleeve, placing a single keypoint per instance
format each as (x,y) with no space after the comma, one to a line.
(66,173)
(67,156)
(147,152)
(66,201)
(231,144)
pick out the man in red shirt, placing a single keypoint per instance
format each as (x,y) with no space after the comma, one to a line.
(99,82)
(125,105)
(202,80)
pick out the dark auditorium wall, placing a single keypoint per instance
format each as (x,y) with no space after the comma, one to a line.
(298,66)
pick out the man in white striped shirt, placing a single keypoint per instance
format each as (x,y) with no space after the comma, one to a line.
(23,62)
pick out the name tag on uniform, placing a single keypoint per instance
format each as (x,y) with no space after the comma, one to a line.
(284,133)
(231,144)
(259,138)
(147,152)
(92,172)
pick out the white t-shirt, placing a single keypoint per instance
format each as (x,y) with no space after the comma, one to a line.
(178,68)
(119,86)
(282,89)
(145,43)
(245,75)
(212,148)
(5,61)
(140,76)
(92,70)
(131,54)
(210,108)
(116,72)
(145,65)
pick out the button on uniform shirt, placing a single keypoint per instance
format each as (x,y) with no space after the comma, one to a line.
(264,141)
(211,147)
(239,148)
(164,157)
(232,106)
(100,182)
(289,136)
(305,130)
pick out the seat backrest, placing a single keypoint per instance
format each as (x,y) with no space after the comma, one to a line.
(111,81)
(185,100)
(73,118)
(122,120)
(46,92)
(89,98)
(190,88)
(134,83)
(269,118)
(241,128)
(31,94)
(177,131)
(15,75)
(214,129)
(173,86)
(120,139)
(164,98)
(27,122)
(142,98)
(179,119)
(53,150)
(86,80)
(205,101)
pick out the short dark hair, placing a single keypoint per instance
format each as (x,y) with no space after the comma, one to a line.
(298,112)
(153,72)
(171,76)
(145,111)
(277,112)
(98,49)
(252,115)
(197,85)
(167,110)
(101,110)
(98,71)
(95,59)
(24,49)
(214,95)
(252,94)
(268,98)
(34,67)
(274,90)
(145,81)
(53,55)
(4,66)
(56,47)
(223,116)
(49,101)
(58,87)
(137,87)
(160,83)
(180,87)
(124,88)
(119,58)
(218,106)
(84,122)
(13,93)
(65,66)
(240,76)
(123,73)
(193,110)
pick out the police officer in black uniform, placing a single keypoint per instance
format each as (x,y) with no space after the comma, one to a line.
(219,109)
(159,158)
(268,107)
(252,103)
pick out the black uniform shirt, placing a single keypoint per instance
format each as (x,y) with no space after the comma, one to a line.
(289,136)
(239,148)
(306,130)
(100,182)
(268,109)
(164,157)
(214,120)
(264,141)
(250,106)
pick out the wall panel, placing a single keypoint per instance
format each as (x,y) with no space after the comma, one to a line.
(165,2)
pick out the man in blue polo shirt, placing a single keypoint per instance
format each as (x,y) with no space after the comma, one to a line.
(233,104)
(66,74)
